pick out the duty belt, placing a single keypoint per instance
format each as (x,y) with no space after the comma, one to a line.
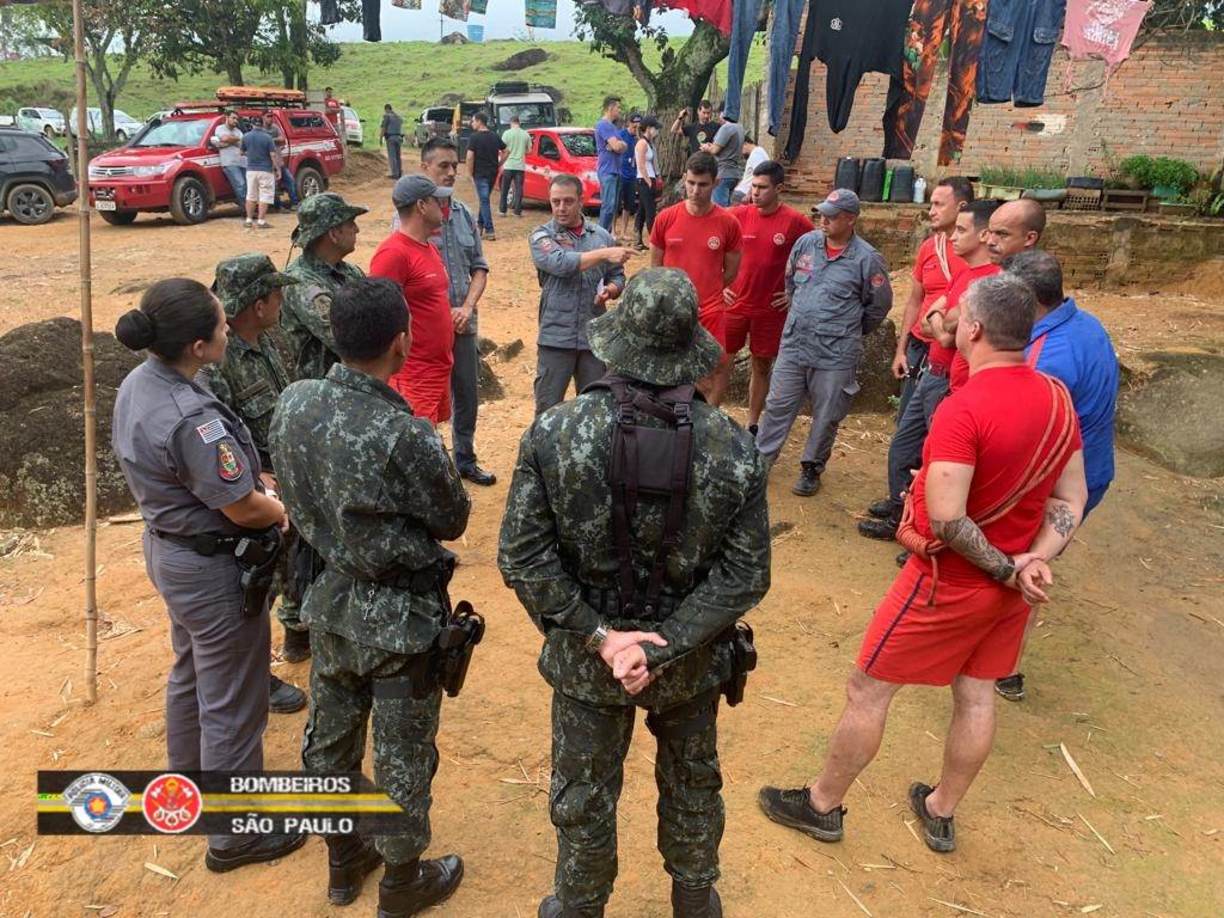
(606,601)
(936,369)
(202,543)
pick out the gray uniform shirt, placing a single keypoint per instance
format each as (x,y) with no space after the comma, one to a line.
(184,453)
(730,138)
(567,295)
(463,253)
(392,125)
(834,302)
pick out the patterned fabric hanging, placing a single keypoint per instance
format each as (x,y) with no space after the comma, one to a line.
(453,9)
(542,14)
(478,6)
(406,4)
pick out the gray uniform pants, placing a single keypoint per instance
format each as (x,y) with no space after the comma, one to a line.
(394,162)
(905,449)
(830,392)
(555,367)
(217,691)
(915,355)
(464,398)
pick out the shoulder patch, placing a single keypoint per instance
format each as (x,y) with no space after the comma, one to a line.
(229,466)
(213,431)
(877,280)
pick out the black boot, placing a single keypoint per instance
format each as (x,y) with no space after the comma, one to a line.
(551,907)
(296,646)
(407,889)
(349,859)
(701,902)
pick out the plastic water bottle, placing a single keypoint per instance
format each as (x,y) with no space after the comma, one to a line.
(919,190)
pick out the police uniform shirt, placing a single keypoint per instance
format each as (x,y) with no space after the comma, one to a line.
(184,453)
(567,295)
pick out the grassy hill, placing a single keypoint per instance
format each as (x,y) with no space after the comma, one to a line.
(410,75)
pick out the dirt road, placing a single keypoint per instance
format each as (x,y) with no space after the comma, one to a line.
(1124,670)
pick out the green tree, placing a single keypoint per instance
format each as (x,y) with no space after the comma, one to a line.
(195,35)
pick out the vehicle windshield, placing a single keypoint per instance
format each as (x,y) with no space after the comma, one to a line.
(579,144)
(530,114)
(49,113)
(186,133)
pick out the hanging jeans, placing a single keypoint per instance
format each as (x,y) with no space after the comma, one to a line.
(965,23)
(371,24)
(781,49)
(1017,49)
(744,17)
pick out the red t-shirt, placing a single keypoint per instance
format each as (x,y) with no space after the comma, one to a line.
(929,273)
(832,251)
(768,240)
(696,245)
(417,267)
(941,356)
(995,423)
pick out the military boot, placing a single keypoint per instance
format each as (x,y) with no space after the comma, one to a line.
(296,646)
(349,859)
(551,907)
(407,889)
(808,482)
(699,902)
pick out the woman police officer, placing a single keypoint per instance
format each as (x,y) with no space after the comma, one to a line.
(194,472)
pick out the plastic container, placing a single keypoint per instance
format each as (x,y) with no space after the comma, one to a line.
(902,191)
(919,190)
(888,177)
(871,184)
(847,173)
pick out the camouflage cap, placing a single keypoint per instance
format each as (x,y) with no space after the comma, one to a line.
(654,334)
(320,213)
(241,280)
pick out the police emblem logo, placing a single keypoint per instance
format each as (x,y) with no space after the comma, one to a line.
(228,465)
(835,24)
(97,802)
(877,280)
(714,243)
(172,803)
(779,239)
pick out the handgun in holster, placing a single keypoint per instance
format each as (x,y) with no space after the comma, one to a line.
(257,556)
(464,629)
(743,661)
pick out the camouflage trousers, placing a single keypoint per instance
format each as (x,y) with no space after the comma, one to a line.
(289,609)
(589,745)
(342,700)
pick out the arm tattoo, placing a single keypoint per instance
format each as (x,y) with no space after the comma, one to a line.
(1060,518)
(964,537)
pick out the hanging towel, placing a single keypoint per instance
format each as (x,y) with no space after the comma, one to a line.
(1103,28)
(542,14)
(716,12)
(329,12)
(371,27)
(478,6)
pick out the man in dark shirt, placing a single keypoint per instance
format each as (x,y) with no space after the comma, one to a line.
(701,132)
(260,149)
(485,153)
(392,131)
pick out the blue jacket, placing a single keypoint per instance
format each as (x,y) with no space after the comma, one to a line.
(1016,50)
(628,169)
(1077,350)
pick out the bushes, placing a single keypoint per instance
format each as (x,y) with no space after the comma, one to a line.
(1026,178)
(1163,171)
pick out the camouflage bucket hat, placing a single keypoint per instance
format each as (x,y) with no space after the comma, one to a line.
(320,213)
(654,334)
(240,281)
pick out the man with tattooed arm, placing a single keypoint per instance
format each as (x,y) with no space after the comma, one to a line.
(1001,492)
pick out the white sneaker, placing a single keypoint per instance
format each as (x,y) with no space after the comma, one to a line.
(247,224)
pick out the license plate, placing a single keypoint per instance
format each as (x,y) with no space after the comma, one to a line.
(104,205)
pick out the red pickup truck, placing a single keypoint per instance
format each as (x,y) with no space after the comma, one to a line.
(171,166)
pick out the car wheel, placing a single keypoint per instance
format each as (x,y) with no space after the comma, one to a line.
(310,182)
(189,201)
(118,217)
(31,204)
(121,136)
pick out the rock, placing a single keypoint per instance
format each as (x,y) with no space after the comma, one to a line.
(455,38)
(523,60)
(488,386)
(511,350)
(152,730)
(42,478)
(485,346)
(1174,415)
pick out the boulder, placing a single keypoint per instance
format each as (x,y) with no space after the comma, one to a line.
(523,59)
(454,38)
(42,478)
(1174,414)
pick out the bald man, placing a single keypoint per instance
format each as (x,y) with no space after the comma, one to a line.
(1014,227)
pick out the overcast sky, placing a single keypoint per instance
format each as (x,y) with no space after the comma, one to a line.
(504,20)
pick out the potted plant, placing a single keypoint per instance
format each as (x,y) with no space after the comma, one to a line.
(1172,178)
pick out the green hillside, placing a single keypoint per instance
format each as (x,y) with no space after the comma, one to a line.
(410,75)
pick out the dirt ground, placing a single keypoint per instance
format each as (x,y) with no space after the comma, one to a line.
(1125,670)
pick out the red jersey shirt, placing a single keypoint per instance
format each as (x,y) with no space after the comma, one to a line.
(767,241)
(994,423)
(696,245)
(938,355)
(929,272)
(417,267)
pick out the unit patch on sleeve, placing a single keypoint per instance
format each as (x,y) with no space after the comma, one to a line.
(229,466)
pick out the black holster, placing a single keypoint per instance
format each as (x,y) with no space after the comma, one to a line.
(457,640)
(303,566)
(743,661)
(257,557)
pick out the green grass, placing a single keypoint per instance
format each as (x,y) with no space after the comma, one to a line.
(410,75)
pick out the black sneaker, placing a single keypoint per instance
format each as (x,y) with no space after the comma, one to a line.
(1011,688)
(884,509)
(939,832)
(284,698)
(808,482)
(256,851)
(793,807)
(885,530)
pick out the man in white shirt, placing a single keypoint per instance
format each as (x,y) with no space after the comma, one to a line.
(755,154)
(227,140)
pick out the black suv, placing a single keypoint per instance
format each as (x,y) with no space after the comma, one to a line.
(34,177)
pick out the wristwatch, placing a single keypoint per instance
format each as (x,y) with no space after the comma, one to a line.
(1005,574)
(597,638)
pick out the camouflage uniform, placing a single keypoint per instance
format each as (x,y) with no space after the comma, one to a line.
(372,489)
(558,551)
(305,313)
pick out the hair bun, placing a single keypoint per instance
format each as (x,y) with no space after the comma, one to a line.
(135,330)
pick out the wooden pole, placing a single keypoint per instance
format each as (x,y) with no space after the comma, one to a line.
(87,362)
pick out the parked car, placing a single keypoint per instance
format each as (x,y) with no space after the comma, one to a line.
(561,149)
(126,126)
(170,165)
(530,104)
(353,131)
(45,121)
(34,177)
(434,121)
(461,124)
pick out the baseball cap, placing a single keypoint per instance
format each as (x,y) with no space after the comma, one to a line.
(840,200)
(412,188)
(635,118)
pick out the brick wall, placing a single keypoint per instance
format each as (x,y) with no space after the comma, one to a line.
(1166,99)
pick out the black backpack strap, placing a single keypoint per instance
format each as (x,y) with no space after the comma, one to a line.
(624,491)
(680,399)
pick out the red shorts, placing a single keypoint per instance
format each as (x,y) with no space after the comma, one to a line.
(972,630)
(714,320)
(429,398)
(761,330)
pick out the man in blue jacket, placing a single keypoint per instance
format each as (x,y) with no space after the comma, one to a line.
(1072,346)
